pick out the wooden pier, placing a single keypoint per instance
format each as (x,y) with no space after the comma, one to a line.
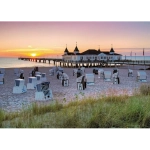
(76,64)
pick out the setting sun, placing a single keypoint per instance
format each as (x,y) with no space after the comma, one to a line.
(33,54)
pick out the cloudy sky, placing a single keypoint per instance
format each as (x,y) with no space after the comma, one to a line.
(51,38)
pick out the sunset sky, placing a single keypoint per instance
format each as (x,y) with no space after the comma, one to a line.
(46,39)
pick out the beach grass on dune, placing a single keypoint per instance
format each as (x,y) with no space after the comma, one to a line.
(104,112)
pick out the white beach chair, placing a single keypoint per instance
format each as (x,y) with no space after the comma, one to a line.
(43,77)
(2,70)
(59,75)
(95,70)
(51,72)
(130,72)
(60,69)
(1,78)
(81,83)
(75,71)
(37,73)
(55,69)
(90,79)
(17,71)
(100,73)
(38,79)
(30,73)
(83,70)
(19,86)
(115,70)
(115,78)
(141,76)
(31,83)
(79,72)
(65,80)
(107,75)
(43,92)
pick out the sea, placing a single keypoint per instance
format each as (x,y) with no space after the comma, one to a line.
(16,63)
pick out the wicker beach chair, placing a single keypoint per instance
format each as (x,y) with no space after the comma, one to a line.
(17,71)
(43,92)
(19,86)
(130,72)
(43,77)
(60,69)
(83,70)
(31,83)
(81,83)
(1,78)
(38,79)
(116,79)
(75,71)
(51,72)
(107,75)
(95,70)
(59,75)
(37,73)
(116,70)
(141,76)
(2,70)
(90,79)
(100,73)
(65,80)
(79,72)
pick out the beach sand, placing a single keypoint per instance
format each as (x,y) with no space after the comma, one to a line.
(15,102)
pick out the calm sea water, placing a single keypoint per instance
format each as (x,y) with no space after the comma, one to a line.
(15,63)
(137,57)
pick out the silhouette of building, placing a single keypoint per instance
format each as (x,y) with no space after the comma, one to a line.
(91,55)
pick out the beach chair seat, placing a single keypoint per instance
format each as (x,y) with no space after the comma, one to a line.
(107,75)
(141,76)
(43,92)
(65,80)
(130,72)
(43,77)
(90,79)
(32,81)
(1,78)
(100,73)
(81,83)
(19,86)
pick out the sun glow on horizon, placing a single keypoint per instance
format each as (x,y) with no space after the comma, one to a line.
(33,54)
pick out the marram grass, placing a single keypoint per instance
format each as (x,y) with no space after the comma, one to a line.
(104,112)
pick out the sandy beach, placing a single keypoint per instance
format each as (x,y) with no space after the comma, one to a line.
(15,102)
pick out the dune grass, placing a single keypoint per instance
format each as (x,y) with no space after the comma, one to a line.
(104,112)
